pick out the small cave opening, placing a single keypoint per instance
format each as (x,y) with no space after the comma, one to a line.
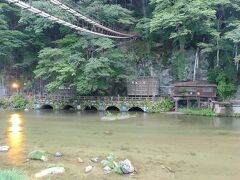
(46,107)
(135,109)
(68,108)
(113,108)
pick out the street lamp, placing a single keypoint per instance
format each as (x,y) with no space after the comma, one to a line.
(15,86)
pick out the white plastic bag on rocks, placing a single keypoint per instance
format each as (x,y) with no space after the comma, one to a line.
(126,166)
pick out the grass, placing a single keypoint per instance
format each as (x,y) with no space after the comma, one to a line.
(12,174)
(198,111)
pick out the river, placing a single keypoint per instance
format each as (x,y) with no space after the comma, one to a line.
(160,146)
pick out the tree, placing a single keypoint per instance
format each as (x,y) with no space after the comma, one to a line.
(88,65)
(182,20)
(11,39)
(234,36)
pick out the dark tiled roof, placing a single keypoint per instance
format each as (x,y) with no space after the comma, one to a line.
(194,83)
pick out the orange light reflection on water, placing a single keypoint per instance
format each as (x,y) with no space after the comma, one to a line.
(15,135)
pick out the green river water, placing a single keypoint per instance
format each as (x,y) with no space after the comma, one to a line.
(160,146)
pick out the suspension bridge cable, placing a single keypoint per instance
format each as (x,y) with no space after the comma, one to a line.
(43,14)
(77,14)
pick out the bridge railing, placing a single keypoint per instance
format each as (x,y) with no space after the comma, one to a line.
(101,98)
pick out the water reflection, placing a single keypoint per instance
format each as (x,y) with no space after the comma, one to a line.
(15,135)
(226,123)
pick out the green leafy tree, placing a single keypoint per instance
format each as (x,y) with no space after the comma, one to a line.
(90,65)
(225,88)
(182,20)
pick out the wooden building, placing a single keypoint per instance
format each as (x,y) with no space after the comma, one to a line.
(143,86)
(201,91)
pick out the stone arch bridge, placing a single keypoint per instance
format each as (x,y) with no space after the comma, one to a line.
(95,103)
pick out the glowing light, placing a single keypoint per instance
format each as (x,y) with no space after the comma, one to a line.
(14,139)
(15,119)
(15,85)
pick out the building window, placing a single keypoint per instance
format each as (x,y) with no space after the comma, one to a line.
(207,89)
(192,89)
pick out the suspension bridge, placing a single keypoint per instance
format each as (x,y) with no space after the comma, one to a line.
(97,28)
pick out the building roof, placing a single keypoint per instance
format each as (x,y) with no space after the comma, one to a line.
(194,84)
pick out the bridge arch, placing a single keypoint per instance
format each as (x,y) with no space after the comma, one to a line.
(135,109)
(112,108)
(68,108)
(90,108)
(46,107)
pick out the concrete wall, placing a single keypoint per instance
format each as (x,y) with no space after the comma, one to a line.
(227,108)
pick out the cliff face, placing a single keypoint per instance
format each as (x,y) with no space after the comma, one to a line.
(168,74)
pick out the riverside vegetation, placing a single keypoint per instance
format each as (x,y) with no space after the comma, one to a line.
(16,101)
(198,111)
(33,48)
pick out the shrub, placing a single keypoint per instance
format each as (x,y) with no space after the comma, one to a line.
(162,106)
(225,88)
(17,101)
(12,174)
(225,80)
(3,103)
(198,111)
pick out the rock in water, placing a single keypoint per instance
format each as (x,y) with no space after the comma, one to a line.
(107,168)
(58,154)
(88,169)
(4,148)
(44,158)
(53,170)
(108,132)
(127,166)
(95,159)
(80,160)
(37,155)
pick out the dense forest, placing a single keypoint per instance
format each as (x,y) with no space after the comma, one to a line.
(33,49)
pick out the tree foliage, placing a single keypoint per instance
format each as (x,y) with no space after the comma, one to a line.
(102,66)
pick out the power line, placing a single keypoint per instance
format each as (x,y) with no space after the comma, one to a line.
(45,15)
